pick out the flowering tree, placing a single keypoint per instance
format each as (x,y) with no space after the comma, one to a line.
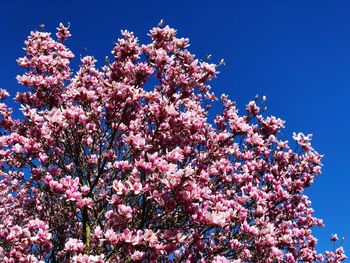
(121,164)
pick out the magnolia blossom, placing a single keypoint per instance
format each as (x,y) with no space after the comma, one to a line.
(74,245)
(123,164)
(334,237)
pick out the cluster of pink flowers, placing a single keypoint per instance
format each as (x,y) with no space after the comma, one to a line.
(120,164)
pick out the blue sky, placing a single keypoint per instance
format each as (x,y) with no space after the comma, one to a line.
(297,53)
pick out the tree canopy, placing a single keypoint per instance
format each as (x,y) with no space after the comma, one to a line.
(122,163)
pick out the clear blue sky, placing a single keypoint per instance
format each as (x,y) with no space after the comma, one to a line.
(297,53)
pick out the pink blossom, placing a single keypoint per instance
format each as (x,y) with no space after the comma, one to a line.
(137,255)
(125,211)
(74,245)
(334,237)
